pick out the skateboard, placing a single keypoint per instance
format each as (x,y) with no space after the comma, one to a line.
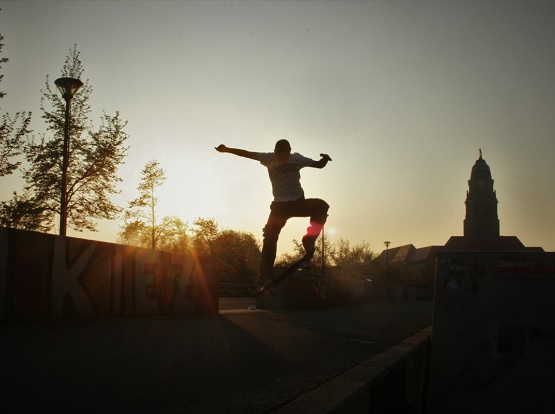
(283,275)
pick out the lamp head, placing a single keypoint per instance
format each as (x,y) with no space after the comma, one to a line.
(68,87)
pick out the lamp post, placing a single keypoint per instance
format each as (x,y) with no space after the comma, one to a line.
(323,255)
(67,87)
(387,243)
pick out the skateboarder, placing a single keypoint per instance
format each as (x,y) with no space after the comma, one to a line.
(289,201)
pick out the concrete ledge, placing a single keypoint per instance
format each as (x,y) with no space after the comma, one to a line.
(353,391)
(349,391)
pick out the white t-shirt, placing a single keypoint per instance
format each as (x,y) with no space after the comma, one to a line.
(285,178)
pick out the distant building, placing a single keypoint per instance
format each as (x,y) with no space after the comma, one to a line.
(481,224)
(481,203)
(481,230)
(420,262)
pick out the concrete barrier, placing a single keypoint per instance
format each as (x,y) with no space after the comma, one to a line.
(391,382)
(414,293)
(494,335)
(43,276)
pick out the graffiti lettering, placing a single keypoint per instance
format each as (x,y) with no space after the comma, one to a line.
(56,277)
(65,278)
(515,264)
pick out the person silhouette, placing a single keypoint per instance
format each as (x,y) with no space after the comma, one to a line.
(289,200)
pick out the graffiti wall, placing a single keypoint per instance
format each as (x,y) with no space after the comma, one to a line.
(43,276)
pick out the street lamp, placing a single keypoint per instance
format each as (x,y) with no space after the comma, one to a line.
(387,243)
(323,255)
(67,87)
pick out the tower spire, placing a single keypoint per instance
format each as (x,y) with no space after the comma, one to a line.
(481,203)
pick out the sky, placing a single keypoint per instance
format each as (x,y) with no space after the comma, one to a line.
(400,94)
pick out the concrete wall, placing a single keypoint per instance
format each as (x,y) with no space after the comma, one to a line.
(44,276)
(414,293)
(494,333)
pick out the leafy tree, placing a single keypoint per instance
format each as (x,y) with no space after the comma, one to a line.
(239,254)
(175,237)
(354,261)
(172,235)
(140,219)
(132,233)
(345,255)
(12,132)
(204,236)
(94,157)
(22,212)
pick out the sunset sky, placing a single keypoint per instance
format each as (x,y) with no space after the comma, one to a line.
(401,95)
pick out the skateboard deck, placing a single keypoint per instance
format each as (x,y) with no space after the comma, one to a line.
(282,276)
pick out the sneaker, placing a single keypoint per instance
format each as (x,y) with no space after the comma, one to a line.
(305,266)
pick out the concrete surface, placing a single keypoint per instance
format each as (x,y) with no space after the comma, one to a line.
(240,361)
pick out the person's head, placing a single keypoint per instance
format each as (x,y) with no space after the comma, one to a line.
(282,150)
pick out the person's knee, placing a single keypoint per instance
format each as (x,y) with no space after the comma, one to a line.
(318,210)
(321,214)
(322,207)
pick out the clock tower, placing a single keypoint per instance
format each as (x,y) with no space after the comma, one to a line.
(481,203)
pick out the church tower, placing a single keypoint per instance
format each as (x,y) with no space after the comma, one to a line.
(481,203)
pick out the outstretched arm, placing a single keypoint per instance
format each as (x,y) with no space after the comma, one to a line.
(239,152)
(322,162)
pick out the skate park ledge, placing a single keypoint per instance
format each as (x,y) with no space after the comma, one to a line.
(392,381)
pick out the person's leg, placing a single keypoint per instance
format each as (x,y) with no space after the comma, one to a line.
(276,221)
(317,210)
